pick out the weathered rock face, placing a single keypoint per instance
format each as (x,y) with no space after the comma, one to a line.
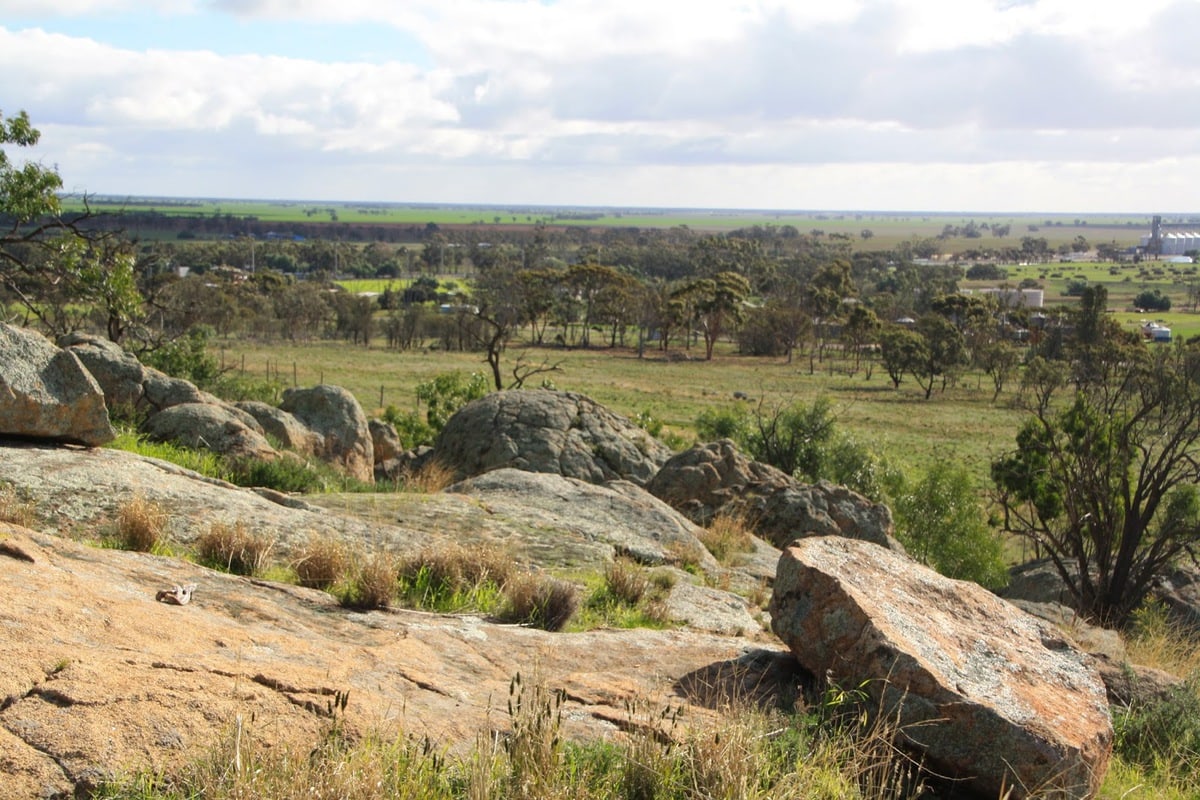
(385,440)
(620,516)
(102,679)
(119,373)
(46,393)
(287,430)
(990,695)
(544,431)
(715,478)
(336,417)
(211,427)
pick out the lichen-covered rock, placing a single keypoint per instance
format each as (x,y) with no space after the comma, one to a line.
(338,420)
(986,693)
(118,372)
(46,393)
(715,478)
(546,431)
(282,426)
(212,427)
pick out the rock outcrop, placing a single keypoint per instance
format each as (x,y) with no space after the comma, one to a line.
(385,440)
(619,516)
(983,692)
(209,427)
(562,433)
(46,393)
(715,478)
(337,418)
(283,427)
(106,680)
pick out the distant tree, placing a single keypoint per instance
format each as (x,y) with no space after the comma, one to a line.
(943,352)
(1152,300)
(902,352)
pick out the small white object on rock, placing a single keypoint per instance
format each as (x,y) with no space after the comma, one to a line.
(176,596)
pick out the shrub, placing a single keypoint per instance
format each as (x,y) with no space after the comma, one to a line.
(234,549)
(542,602)
(447,393)
(410,428)
(373,585)
(141,525)
(1163,736)
(433,476)
(186,357)
(321,563)
(284,474)
(1152,300)
(626,581)
(941,524)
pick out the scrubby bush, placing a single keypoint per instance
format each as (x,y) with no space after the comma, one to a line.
(455,578)
(940,522)
(540,601)
(373,585)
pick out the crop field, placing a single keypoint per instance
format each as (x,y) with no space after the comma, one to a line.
(875,230)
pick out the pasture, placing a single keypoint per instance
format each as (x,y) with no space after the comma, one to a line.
(962,425)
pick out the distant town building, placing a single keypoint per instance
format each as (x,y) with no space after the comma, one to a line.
(1016,298)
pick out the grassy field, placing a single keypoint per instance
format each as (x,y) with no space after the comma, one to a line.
(963,425)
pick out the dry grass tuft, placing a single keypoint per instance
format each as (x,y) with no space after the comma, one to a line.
(141,524)
(727,537)
(540,601)
(321,563)
(14,510)
(432,477)
(456,567)
(1154,640)
(626,581)
(373,585)
(234,549)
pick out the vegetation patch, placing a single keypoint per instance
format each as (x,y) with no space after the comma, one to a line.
(141,525)
(234,548)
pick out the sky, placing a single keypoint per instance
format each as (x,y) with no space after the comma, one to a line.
(1057,106)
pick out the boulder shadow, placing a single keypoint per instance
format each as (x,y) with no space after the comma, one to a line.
(768,679)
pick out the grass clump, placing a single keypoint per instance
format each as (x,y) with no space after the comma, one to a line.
(429,478)
(13,509)
(373,584)
(540,601)
(727,537)
(455,578)
(235,549)
(141,525)
(321,563)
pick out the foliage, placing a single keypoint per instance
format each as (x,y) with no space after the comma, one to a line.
(1104,481)
(372,585)
(410,428)
(454,578)
(321,563)
(447,393)
(1152,300)
(186,357)
(728,538)
(543,602)
(13,509)
(940,523)
(1163,736)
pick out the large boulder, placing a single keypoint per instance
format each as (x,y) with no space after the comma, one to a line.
(385,440)
(715,478)
(118,372)
(983,692)
(212,427)
(337,418)
(546,431)
(46,393)
(288,431)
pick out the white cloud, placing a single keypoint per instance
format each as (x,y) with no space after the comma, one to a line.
(657,97)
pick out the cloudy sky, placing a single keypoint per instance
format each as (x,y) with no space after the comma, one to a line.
(955,105)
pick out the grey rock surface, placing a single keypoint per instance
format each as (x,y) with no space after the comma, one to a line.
(711,479)
(562,433)
(209,427)
(337,418)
